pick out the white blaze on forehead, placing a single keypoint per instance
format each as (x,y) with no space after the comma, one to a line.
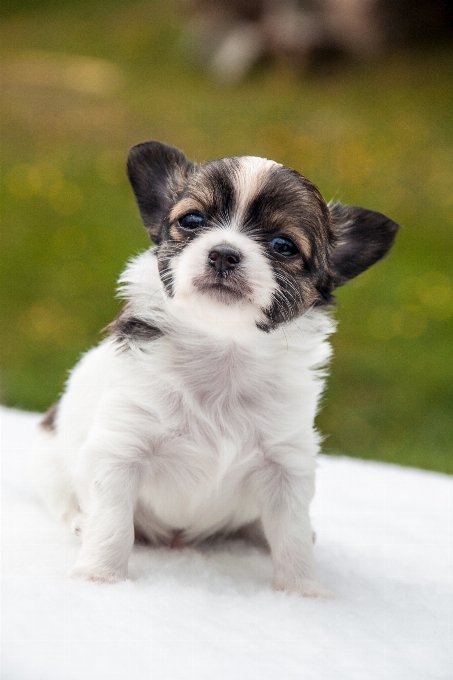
(251,176)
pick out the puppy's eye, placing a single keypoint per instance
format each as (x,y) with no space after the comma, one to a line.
(192,221)
(284,246)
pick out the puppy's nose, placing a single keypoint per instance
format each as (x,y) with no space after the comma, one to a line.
(224,258)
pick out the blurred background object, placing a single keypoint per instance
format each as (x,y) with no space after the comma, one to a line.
(230,37)
(83,81)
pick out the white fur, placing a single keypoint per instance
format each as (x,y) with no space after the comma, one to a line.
(206,429)
(253,173)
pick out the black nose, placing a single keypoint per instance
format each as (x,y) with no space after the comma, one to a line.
(224,258)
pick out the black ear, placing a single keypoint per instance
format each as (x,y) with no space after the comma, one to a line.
(362,238)
(157,173)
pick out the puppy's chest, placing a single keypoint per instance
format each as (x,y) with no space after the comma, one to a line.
(216,407)
(217,412)
(228,389)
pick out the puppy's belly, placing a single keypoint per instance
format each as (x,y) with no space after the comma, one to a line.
(195,511)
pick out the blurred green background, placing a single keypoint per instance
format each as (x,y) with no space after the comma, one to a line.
(85,81)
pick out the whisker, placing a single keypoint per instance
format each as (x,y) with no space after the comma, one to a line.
(290,290)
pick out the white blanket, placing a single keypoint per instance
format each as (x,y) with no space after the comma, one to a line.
(384,548)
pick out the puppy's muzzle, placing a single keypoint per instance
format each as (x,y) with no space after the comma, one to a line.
(224,259)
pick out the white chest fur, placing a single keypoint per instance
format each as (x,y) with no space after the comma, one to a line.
(221,409)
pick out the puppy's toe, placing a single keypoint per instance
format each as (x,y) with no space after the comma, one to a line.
(89,574)
(307,588)
(315,589)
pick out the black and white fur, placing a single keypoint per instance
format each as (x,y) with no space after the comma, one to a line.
(194,417)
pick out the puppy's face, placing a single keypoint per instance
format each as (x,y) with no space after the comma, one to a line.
(247,232)
(250,234)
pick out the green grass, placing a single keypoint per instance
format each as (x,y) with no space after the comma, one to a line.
(378,135)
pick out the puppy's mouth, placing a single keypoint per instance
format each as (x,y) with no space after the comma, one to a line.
(226,287)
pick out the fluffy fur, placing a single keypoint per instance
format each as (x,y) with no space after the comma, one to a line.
(194,417)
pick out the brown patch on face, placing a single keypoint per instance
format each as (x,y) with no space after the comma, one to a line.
(213,188)
(285,228)
(209,191)
(288,205)
(176,233)
(184,207)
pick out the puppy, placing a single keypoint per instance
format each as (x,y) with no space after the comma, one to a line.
(194,417)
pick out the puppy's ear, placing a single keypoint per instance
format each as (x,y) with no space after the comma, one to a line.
(157,173)
(362,238)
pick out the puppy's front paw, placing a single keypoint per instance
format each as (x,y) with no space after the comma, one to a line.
(305,587)
(96,576)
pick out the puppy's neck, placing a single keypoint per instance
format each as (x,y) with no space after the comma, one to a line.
(235,323)
(194,314)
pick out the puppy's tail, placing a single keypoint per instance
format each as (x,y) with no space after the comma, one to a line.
(49,479)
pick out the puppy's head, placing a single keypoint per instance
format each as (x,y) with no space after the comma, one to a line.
(250,234)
